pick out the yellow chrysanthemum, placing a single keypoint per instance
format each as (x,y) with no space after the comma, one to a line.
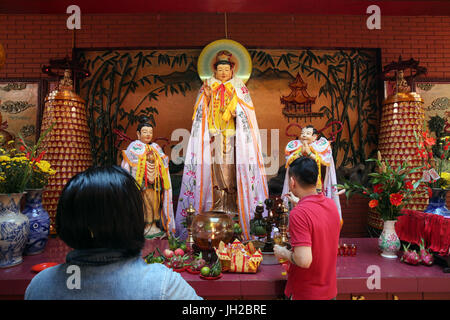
(5,159)
(44,166)
(18,159)
(446,177)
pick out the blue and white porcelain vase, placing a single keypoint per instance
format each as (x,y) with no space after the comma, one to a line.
(14,229)
(436,204)
(39,222)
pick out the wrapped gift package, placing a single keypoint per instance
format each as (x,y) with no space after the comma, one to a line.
(237,257)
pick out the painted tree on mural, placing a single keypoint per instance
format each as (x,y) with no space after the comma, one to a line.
(115,75)
(350,82)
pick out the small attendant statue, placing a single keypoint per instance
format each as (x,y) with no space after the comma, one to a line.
(148,164)
(319,150)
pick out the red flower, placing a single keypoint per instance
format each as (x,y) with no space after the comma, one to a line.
(429,141)
(22,148)
(378,188)
(396,199)
(373,203)
(422,154)
(409,185)
(39,158)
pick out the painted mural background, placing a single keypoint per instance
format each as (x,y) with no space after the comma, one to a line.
(163,85)
(19,106)
(436,98)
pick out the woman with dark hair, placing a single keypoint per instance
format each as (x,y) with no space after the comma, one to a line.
(101,215)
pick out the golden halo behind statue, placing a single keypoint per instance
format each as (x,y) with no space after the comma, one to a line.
(240,57)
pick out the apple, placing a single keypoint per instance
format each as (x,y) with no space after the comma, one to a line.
(179,252)
(168,253)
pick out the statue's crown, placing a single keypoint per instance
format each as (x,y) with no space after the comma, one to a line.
(224,55)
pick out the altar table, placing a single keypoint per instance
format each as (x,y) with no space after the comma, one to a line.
(397,281)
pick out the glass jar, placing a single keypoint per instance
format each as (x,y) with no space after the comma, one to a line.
(211,227)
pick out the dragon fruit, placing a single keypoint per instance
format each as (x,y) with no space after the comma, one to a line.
(198,262)
(410,256)
(426,257)
(177,262)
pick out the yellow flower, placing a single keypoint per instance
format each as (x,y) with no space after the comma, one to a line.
(5,158)
(446,177)
(43,165)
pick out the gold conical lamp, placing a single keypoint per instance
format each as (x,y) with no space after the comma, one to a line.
(402,115)
(67,146)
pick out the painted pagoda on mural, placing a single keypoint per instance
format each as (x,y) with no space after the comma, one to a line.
(298,104)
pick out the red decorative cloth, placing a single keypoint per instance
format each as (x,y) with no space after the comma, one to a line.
(413,225)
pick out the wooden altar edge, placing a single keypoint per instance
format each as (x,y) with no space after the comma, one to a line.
(397,279)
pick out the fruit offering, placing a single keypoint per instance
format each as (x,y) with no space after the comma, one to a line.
(258,227)
(212,271)
(175,243)
(197,263)
(177,262)
(237,229)
(426,257)
(410,256)
(153,258)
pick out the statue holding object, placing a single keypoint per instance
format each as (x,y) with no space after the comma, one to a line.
(318,149)
(223,169)
(148,164)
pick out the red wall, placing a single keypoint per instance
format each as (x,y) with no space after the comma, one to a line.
(31,40)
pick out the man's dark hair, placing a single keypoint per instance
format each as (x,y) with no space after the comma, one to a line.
(305,171)
(102,207)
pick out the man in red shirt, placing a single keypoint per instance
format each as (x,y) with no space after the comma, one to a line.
(314,226)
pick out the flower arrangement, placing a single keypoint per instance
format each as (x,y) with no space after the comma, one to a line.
(22,169)
(41,169)
(388,190)
(435,155)
(15,170)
